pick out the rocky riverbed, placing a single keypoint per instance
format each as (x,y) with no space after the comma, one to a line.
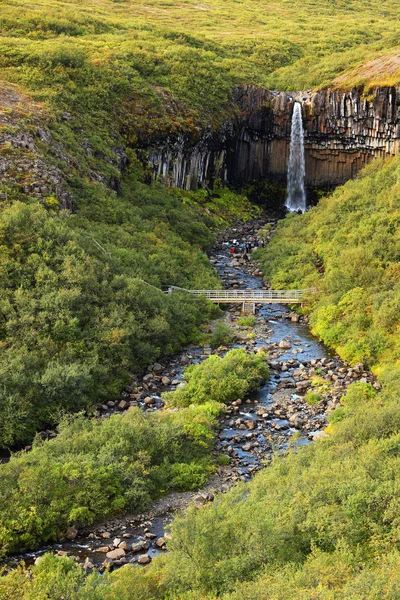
(291,409)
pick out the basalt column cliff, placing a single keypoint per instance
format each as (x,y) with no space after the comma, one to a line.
(342,132)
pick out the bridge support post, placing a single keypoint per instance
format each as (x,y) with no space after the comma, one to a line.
(249,307)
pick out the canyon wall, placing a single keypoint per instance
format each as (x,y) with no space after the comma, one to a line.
(342,132)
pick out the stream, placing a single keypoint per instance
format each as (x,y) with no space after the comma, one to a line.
(251,430)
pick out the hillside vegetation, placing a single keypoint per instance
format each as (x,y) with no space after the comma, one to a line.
(83,85)
(195,50)
(348,247)
(77,314)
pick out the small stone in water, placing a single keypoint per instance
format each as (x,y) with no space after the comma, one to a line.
(144,559)
(139,547)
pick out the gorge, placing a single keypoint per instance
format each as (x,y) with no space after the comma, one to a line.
(250,431)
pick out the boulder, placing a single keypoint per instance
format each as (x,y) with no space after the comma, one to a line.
(139,546)
(88,564)
(124,546)
(320,435)
(302,385)
(201,499)
(296,420)
(71,534)
(116,554)
(285,345)
(144,559)
(107,563)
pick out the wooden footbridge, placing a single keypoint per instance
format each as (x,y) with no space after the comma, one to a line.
(249,297)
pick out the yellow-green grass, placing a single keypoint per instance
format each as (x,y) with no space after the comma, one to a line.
(285,44)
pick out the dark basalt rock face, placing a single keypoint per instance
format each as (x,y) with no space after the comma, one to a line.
(342,132)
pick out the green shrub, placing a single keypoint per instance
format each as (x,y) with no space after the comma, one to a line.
(95,468)
(190,476)
(222,335)
(312,398)
(220,379)
(76,316)
(358,289)
(357,394)
(247,321)
(223,459)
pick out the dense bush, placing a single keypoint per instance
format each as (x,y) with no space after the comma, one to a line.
(221,379)
(76,316)
(221,335)
(95,468)
(247,321)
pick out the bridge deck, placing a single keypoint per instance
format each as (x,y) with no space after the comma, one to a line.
(250,296)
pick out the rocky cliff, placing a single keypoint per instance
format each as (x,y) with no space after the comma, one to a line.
(343,131)
(36,163)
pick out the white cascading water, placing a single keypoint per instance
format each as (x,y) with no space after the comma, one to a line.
(296,195)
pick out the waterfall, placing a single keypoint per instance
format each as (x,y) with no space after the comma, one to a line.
(296,195)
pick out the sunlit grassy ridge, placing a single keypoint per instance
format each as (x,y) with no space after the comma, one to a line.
(196,50)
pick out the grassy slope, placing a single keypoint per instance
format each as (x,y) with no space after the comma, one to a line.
(196,51)
(348,247)
(127,70)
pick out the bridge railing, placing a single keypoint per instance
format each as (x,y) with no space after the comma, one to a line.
(243,295)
